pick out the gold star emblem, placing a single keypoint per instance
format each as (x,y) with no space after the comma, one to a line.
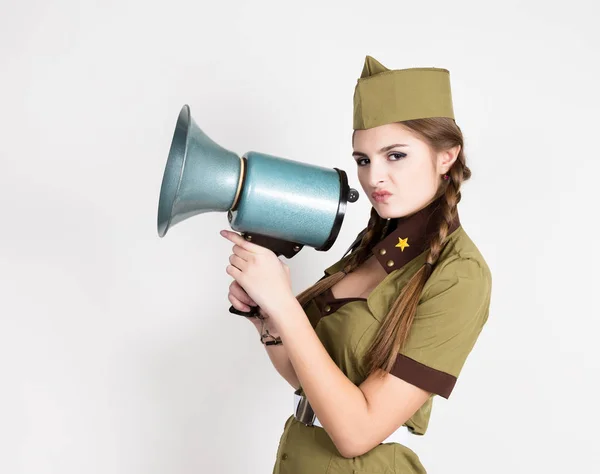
(402,243)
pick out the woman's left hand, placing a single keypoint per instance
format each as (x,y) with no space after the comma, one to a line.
(260,272)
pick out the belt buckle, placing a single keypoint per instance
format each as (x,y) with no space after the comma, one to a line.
(304,412)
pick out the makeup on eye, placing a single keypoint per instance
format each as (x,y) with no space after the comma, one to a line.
(398,154)
(382,150)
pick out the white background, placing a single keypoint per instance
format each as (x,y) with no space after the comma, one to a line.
(117,350)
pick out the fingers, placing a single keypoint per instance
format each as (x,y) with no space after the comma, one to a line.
(241,252)
(240,295)
(237,304)
(241,241)
(238,262)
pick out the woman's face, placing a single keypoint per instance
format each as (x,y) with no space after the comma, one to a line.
(391,158)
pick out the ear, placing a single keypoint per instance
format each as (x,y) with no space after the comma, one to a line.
(446,159)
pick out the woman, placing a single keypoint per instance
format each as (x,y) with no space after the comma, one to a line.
(389,325)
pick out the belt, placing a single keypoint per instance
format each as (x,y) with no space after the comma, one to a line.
(304,413)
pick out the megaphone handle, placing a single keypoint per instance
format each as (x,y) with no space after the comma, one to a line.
(254,311)
(278,247)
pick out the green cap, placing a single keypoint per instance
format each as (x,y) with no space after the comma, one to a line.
(384,95)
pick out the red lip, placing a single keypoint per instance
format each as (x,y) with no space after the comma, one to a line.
(380,193)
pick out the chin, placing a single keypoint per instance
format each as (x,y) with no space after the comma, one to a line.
(386,212)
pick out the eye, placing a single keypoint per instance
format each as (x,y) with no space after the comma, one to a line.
(398,156)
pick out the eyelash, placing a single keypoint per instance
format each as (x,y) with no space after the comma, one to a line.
(402,155)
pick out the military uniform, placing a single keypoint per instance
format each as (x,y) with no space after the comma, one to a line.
(451,313)
(452,309)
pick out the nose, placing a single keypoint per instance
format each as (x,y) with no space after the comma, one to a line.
(376,175)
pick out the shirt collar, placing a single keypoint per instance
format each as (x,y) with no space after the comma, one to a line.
(408,236)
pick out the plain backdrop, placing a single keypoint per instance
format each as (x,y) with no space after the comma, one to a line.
(117,351)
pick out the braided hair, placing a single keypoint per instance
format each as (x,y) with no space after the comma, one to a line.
(441,133)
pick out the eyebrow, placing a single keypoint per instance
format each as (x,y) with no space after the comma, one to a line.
(383,150)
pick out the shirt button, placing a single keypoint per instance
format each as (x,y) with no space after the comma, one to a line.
(284,456)
(327,308)
(382,251)
(390,263)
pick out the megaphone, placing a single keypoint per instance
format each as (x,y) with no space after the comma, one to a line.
(275,202)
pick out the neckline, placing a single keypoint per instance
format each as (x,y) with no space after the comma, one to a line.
(329,304)
(409,236)
(329,297)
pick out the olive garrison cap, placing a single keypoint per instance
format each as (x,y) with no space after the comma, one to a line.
(385,95)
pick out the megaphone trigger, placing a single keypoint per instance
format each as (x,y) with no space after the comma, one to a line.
(254,311)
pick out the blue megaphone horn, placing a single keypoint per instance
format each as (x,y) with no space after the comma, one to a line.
(278,203)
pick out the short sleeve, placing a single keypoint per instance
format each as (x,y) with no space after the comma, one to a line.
(451,313)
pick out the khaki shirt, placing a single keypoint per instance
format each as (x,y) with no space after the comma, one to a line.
(452,310)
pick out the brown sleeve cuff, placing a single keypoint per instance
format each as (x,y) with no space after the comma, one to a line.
(422,376)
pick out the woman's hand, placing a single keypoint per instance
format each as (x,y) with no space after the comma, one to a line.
(259,272)
(239,298)
(242,302)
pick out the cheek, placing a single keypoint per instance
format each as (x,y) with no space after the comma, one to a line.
(414,180)
(407,178)
(362,179)
(408,174)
